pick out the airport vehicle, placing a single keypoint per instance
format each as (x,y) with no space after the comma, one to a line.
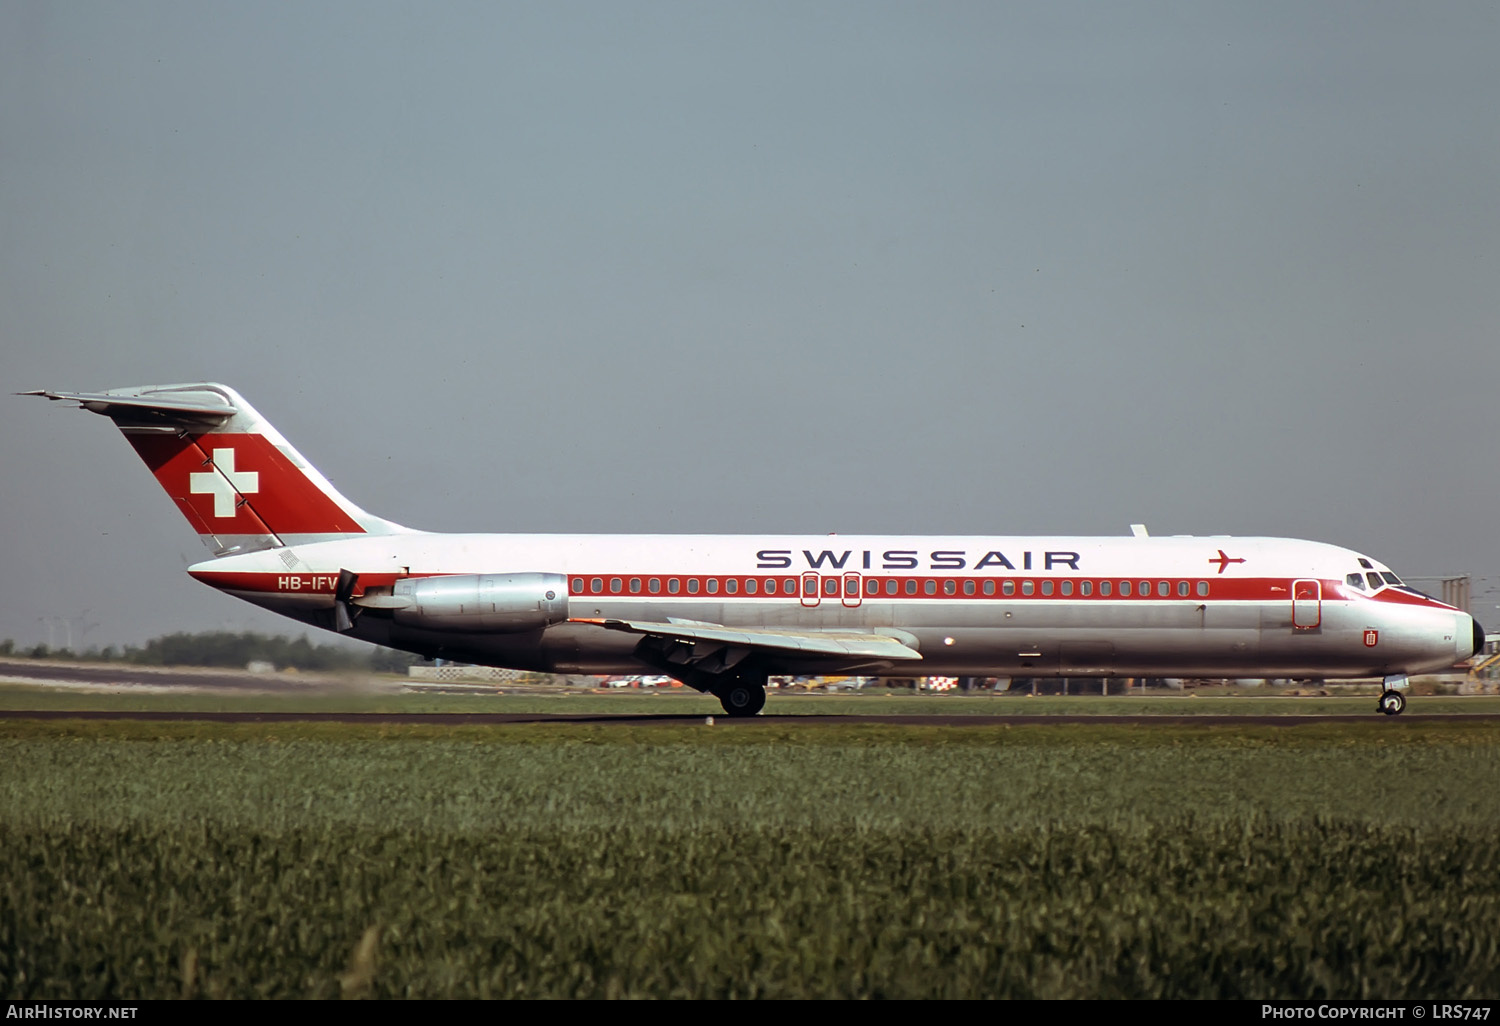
(721,613)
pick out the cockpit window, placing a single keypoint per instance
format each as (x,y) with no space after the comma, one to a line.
(1356,581)
(1366,563)
(1391,578)
(1375,581)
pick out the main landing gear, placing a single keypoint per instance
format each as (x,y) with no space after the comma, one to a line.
(721,670)
(1392,701)
(741,695)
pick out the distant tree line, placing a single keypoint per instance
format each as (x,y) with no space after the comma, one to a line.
(228,649)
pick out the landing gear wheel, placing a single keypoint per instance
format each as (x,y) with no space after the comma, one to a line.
(742,697)
(1392,702)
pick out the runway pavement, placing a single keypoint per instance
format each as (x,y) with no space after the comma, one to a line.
(794,719)
(119,678)
(161,677)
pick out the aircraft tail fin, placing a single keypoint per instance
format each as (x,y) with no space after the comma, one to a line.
(240,484)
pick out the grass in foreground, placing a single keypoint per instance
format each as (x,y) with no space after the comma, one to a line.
(668,860)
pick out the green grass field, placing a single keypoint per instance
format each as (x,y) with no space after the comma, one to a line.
(384,696)
(769,859)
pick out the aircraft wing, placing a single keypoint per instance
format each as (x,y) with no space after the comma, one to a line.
(843,645)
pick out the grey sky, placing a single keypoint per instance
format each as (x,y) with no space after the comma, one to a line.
(917,268)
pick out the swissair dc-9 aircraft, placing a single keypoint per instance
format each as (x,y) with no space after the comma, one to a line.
(721,613)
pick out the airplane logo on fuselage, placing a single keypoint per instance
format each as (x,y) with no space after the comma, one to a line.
(1224,561)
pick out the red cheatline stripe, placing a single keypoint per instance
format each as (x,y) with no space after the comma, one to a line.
(835,587)
(293,583)
(789,587)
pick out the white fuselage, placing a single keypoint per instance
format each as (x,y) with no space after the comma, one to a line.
(1030,606)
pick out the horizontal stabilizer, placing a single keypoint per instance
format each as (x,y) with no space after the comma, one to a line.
(192,407)
(843,644)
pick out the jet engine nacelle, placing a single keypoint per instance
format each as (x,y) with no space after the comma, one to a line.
(507,603)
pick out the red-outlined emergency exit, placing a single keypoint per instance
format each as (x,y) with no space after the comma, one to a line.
(811,593)
(847,589)
(853,596)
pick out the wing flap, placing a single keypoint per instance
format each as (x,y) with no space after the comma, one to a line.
(839,644)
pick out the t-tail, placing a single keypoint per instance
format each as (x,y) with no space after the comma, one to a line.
(240,484)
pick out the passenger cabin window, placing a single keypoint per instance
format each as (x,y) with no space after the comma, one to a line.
(1164,588)
(578,585)
(615,585)
(770,586)
(809,586)
(752,586)
(1028,587)
(890,587)
(1009,587)
(950,587)
(1183,589)
(713,585)
(732,586)
(673,585)
(851,587)
(1203,589)
(635,586)
(968,587)
(1105,587)
(596,585)
(654,585)
(989,587)
(872,586)
(791,586)
(1047,587)
(831,587)
(692,585)
(911,587)
(1355,581)
(1085,588)
(929,587)
(1124,589)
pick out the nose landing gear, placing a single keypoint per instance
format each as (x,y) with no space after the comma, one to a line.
(1392,701)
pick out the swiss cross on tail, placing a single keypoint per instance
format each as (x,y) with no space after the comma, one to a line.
(1224,561)
(232,483)
(224,483)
